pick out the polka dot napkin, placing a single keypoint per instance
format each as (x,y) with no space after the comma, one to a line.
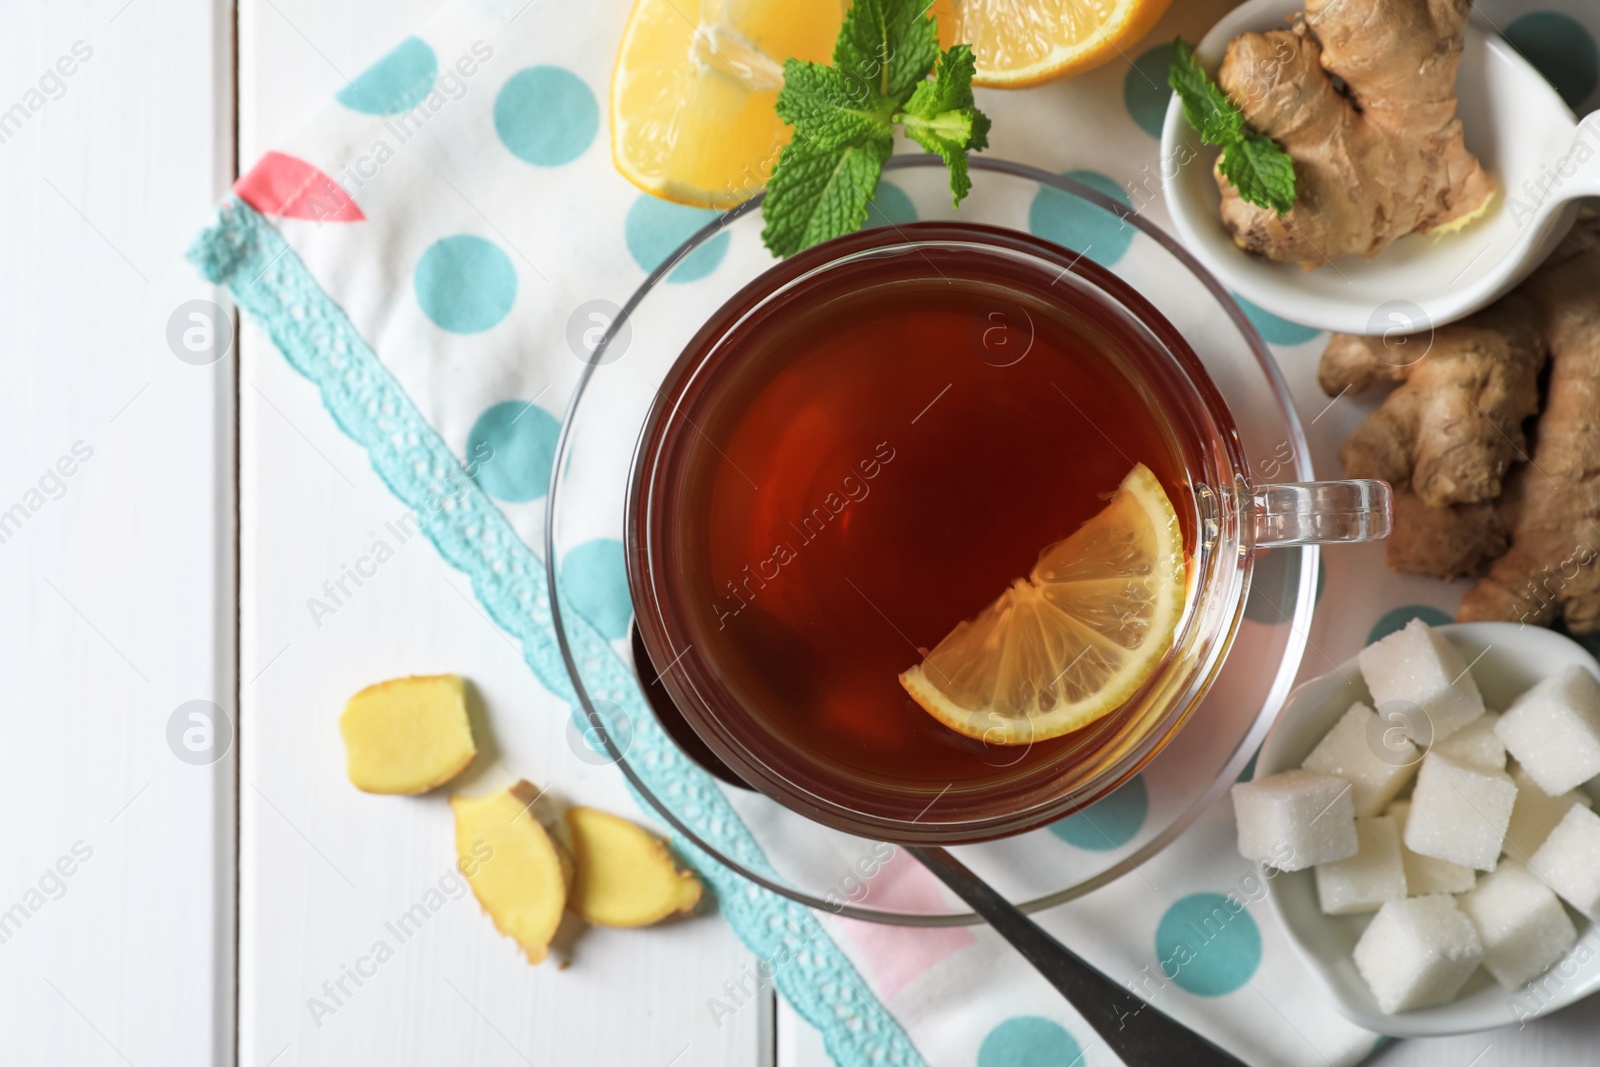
(457,201)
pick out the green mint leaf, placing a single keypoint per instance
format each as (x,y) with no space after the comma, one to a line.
(940,117)
(816,194)
(888,45)
(1257,166)
(951,86)
(829,109)
(1206,106)
(1262,172)
(942,140)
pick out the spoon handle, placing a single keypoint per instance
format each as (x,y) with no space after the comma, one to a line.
(1136,1032)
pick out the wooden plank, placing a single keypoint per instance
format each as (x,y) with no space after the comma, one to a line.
(324,867)
(799,1044)
(116,539)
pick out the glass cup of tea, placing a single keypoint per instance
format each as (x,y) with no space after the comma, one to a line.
(863,448)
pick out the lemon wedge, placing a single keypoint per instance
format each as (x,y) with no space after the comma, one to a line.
(1018,43)
(695,87)
(1074,640)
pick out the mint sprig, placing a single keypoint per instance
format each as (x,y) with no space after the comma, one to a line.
(940,117)
(1256,165)
(844,118)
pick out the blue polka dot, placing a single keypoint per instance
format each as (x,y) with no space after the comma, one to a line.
(1029,1041)
(1081,226)
(1145,90)
(595,576)
(546,116)
(1563,51)
(465,284)
(1109,823)
(1395,621)
(398,82)
(655,228)
(1208,944)
(510,450)
(1275,330)
(890,206)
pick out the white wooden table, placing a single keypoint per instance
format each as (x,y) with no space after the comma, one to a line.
(174,520)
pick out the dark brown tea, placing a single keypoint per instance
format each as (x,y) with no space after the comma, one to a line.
(873,459)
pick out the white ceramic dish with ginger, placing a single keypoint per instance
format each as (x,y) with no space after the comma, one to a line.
(1516,125)
(1509,659)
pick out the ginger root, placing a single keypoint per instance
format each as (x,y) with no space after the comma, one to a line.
(1553,503)
(1454,426)
(1450,439)
(524,881)
(625,876)
(1381,159)
(407,735)
(1448,542)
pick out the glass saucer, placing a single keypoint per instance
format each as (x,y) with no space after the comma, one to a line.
(825,868)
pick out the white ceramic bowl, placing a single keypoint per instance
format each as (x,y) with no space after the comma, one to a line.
(1513,121)
(1509,659)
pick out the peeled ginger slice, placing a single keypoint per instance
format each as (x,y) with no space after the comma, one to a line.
(518,871)
(407,735)
(625,876)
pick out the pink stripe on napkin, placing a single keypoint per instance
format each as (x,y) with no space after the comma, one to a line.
(894,955)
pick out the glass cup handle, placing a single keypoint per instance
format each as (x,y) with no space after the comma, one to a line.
(1313,513)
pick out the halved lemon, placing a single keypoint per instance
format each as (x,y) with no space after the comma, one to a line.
(694,90)
(1074,640)
(1018,43)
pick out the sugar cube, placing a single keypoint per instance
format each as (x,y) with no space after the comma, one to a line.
(1418,953)
(1569,860)
(1553,730)
(1459,812)
(1424,874)
(1418,678)
(1536,813)
(1295,819)
(1370,877)
(1523,927)
(1357,751)
(1476,743)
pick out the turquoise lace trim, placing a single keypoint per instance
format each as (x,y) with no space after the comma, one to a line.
(244,252)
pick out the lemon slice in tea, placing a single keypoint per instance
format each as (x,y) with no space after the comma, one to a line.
(1074,640)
